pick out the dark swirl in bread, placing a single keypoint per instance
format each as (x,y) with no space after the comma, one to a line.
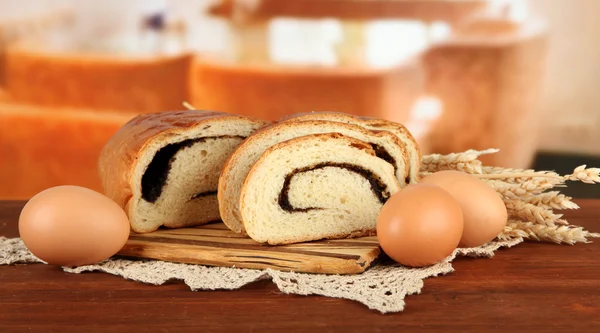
(319,186)
(163,168)
(377,186)
(385,146)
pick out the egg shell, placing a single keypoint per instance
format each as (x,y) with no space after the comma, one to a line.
(484,212)
(73,226)
(420,225)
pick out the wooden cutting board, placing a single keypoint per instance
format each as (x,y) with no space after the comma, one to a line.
(216,245)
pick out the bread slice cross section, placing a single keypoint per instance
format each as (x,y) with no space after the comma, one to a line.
(321,186)
(163,168)
(387,147)
(375,124)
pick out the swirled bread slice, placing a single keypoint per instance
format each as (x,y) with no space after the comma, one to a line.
(412,148)
(163,168)
(386,146)
(322,186)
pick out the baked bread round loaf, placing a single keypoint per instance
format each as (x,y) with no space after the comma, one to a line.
(43,147)
(321,186)
(163,168)
(40,74)
(412,148)
(386,145)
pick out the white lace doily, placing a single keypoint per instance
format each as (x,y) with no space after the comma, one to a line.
(382,288)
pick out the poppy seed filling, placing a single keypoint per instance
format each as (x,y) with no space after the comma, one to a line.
(155,176)
(384,155)
(378,188)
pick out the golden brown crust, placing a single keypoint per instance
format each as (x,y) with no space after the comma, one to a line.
(432,10)
(144,84)
(42,158)
(384,125)
(118,157)
(371,121)
(4,97)
(374,122)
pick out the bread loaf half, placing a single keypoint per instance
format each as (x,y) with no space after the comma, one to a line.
(322,186)
(414,153)
(386,146)
(163,168)
(43,147)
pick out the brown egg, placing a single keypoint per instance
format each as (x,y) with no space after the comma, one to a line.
(420,225)
(484,211)
(73,226)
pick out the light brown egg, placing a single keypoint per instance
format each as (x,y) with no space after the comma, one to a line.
(73,226)
(419,225)
(484,211)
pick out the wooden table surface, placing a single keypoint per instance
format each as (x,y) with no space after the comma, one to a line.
(533,287)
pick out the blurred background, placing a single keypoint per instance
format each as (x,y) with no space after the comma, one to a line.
(518,75)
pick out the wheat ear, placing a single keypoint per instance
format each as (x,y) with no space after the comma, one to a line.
(556,234)
(549,200)
(531,187)
(466,161)
(589,176)
(517,176)
(532,213)
(510,233)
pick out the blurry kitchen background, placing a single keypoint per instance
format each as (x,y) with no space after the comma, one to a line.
(522,76)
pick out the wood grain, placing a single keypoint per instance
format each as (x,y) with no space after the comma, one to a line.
(532,287)
(216,245)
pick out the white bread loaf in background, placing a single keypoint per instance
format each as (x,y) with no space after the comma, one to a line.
(321,186)
(43,147)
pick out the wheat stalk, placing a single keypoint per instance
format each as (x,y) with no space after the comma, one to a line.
(466,161)
(581,173)
(524,194)
(532,213)
(517,176)
(491,170)
(530,187)
(589,176)
(556,234)
(510,233)
(549,200)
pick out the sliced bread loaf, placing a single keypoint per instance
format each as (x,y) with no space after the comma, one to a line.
(163,168)
(414,153)
(322,186)
(386,146)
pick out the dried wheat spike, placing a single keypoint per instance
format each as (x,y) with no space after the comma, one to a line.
(556,234)
(530,187)
(516,176)
(466,161)
(550,200)
(510,233)
(491,170)
(532,213)
(589,176)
